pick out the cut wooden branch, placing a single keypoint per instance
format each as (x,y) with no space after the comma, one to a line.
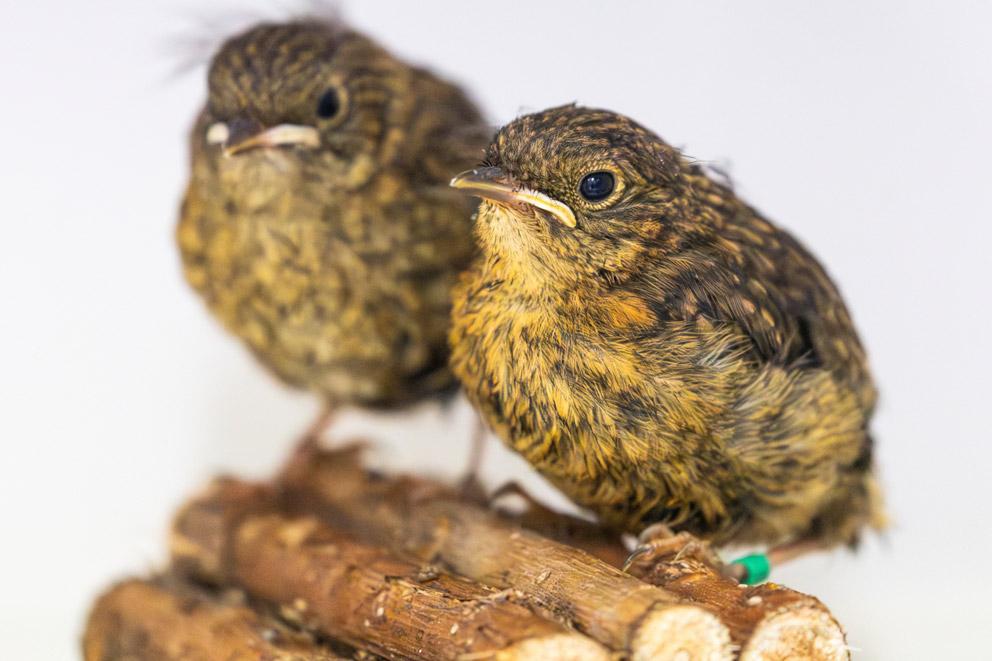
(768,621)
(165,619)
(430,523)
(328,582)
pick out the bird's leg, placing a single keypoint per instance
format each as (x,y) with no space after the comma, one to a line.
(783,553)
(659,543)
(470,484)
(753,569)
(309,442)
(313,433)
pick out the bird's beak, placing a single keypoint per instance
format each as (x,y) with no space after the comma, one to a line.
(283,135)
(495,185)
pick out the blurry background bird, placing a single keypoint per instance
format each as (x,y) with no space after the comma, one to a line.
(656,348)
(317,224)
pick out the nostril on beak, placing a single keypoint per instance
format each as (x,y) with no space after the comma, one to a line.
(242,128)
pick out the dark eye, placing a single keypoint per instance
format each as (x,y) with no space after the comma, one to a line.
(329,104)
(596,186)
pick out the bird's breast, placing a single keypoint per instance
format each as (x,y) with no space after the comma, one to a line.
(260,181)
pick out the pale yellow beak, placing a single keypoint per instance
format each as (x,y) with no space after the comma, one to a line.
(283,135)
(495,185)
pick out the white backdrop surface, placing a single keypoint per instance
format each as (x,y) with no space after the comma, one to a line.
(863,127)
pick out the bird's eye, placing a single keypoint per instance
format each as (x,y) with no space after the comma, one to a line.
(597,186)
(329,104)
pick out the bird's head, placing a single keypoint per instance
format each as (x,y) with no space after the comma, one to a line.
(306,95)
(574,192)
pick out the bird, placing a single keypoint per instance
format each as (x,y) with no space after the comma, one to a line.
(656,348)
(317,224)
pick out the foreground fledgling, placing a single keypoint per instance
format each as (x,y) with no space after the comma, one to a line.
(654,346)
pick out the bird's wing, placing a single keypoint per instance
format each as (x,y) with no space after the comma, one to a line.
(761,279)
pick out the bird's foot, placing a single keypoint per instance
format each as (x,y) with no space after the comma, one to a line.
(658,543)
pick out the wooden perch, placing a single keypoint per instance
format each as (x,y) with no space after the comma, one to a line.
(331,559)
(431,522)
(767,622)
(329,583)
(426,521)
(165,620)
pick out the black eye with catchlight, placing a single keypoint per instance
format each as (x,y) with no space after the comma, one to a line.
(329,104)
(597,186)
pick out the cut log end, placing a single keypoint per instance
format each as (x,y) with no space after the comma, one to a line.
(565,646)
(684,633)
(806,632)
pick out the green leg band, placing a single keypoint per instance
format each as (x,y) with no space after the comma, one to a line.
(756,568)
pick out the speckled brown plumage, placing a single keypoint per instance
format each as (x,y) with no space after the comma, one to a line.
(330,250)
(674,357)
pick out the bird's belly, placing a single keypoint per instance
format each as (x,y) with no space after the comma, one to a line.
(662,429)
(305,308)
(583,410)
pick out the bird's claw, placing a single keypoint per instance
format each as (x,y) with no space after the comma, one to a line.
(659,543)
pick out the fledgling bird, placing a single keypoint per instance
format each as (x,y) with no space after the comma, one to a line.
(317,224)
(654,346)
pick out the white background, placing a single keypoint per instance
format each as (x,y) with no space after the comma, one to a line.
(864,127)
